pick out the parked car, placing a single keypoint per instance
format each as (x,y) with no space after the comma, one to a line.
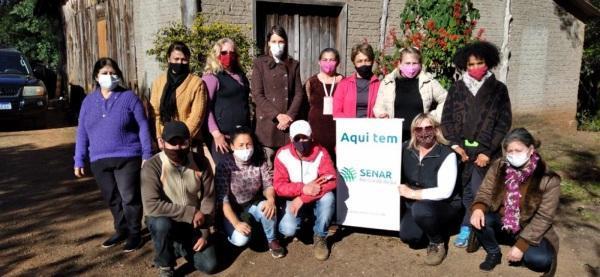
(22,95)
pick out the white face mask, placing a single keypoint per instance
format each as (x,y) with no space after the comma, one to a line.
(277,49)
(108,81)
(243,154)
(517,159)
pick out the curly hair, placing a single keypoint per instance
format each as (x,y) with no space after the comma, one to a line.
(213,66)
(482,50)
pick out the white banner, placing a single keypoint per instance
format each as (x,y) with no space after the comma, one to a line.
(369,156)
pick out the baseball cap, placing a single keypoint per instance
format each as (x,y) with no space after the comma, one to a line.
(300,127)
(174,129)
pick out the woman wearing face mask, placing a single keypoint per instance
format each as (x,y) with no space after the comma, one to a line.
(320,89)
(475,119)
(228,92)
(516,203)
(113,135)
(356,94)
(431,202)
(244,185)
(277,92)
(178,94)
(408,91)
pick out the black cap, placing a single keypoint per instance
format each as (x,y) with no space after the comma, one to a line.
(175,129)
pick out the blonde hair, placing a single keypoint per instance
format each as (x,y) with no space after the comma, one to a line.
(213,66)
(439,137)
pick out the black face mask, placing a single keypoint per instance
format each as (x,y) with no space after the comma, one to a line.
(178,156)
(178,69)
(365,71)
(303,147)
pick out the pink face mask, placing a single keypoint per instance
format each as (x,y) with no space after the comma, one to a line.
(328,66)
(410,70)
(478,72)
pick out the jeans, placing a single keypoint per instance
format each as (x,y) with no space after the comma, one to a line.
(427,219)
(238,239)
(469,191)
(119,182)
(174,239)
(322,209)
(537,258)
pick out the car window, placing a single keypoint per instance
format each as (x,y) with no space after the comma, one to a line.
(13,63)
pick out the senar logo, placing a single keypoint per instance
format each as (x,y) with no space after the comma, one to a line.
(349,174)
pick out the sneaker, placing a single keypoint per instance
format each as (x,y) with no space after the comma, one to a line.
(436,252)
(462,240)
(276,250)
(166,272)
(491,261)
(114,240)
(133,243)
(320,248)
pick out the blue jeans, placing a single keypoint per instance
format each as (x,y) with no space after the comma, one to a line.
(238,239)
(322,209)
(537,258)
(174,239)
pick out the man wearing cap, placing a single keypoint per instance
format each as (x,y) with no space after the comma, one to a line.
(304,176)
(179,201)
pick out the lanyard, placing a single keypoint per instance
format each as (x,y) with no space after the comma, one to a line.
(329,93)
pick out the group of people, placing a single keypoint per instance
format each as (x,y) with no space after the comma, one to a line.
(201,160)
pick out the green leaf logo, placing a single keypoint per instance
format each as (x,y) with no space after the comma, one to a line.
(349,174)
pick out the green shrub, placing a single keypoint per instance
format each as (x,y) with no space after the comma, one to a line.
(200,38)
(587,122)
(438,28)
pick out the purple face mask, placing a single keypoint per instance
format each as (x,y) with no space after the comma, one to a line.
(410,70)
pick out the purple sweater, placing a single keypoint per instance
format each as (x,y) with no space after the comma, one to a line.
(113,128)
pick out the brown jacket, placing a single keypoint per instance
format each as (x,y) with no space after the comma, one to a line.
(170,192)
(540,195)
(191,103)
(276,89)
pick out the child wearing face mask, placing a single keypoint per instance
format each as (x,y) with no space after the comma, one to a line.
(409,90)
(476,117)
(320,89)
(244,185)
(276,91)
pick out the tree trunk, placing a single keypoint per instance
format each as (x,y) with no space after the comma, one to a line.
(383,23)
(505,50)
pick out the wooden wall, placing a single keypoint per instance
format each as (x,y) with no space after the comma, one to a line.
(87,40)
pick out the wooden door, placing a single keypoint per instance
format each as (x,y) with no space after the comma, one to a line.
(310,29)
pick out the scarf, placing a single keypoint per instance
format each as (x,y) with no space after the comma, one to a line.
(168,102)
(512,200)
(472,84)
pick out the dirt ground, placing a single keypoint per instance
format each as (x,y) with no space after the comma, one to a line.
(53,224)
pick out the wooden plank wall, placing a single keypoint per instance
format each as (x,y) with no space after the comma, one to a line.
(307,36)
(81,34)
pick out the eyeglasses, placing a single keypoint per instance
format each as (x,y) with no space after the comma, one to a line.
(422,129)
(225,53)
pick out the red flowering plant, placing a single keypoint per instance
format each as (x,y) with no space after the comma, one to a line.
(438,28)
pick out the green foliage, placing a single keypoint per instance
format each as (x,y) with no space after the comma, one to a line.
(438,28)
(28,33)
(588,108)
(200,38)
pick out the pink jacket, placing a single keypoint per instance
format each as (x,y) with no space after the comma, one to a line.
(344,99)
